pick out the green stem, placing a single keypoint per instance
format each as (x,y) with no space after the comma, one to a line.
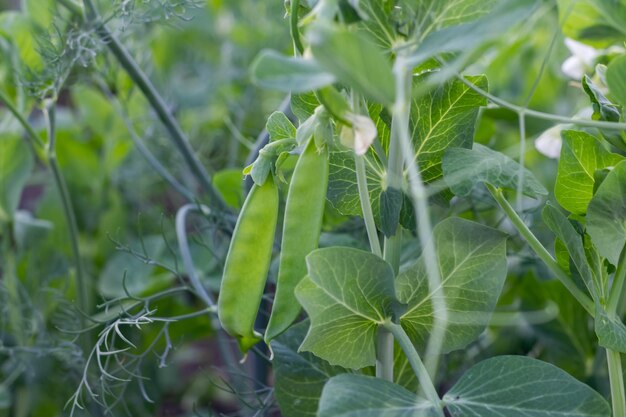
(541,251)
(156,101)
(68,211)
(541,115)
(426,384)
(616,377)
(142,148)
(384,354)
(419,199)
(617,289)
(366,205)
(293,26)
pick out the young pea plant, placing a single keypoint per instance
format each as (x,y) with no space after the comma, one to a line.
(379,86)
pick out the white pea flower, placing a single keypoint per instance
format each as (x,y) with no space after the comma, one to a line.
(549,143)
(582,59)
(361,135)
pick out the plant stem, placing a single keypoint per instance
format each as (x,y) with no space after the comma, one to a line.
(156,101)
(366,205)
(384,354)
(419,198)
(541,115)
(541,251)
(141,147)
(68,211)
(617,289)
(426,383)
(293,27)
(616,377)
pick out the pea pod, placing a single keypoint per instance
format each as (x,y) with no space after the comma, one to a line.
(247,264)
(301,232)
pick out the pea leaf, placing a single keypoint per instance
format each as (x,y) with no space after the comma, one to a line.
(444,118)
(16,164)
(596,22)
(354,59)
(472,262)
(363,396)
(519,386)
(464,168)
(606,216)
(300,376)
(280,127)
(573,241)
(292,75)
(581,156)
(611,331)
(468,37)
(347,294)
(452,12)
(376,21)
(616,78)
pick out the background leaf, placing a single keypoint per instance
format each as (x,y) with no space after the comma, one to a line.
(16,164)
(616,78)
(300,376)
(464,168)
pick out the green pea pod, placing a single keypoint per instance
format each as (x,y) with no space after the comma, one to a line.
(301,232)
(247,264)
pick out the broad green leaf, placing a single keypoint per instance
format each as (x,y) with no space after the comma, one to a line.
(596,22)
(445,118)
(354,59)
(581,156)
(519,386)
(565,232)
(292,75)
(464,168)
(16,164)
(472,261)
(299,376)
(616,78)
(442,119)
(356,395)
(440,14)
(303,105)
(280,127)
(376,20)
(606,216)
(347,295)
(468,37)
(611,331)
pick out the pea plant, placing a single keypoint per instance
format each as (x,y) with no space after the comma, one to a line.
(387,119)
(390,245)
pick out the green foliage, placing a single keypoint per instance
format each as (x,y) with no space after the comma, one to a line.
(472,262)
(521,386)
(606,216)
